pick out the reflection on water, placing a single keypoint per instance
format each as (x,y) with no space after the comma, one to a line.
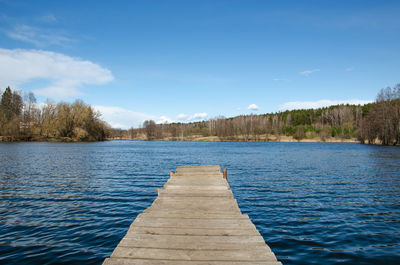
(313,203)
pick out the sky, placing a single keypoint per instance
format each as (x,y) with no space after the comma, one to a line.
(181,61)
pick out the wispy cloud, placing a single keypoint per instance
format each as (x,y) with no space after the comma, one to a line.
(194,117)
(348,69)
(64,74)
(279,79)
(253,107)
(49,18)
(308,72)
(320,104)
(38,37)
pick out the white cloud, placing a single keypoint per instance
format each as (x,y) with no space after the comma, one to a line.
(39,37)
(183,116)
(348,69)
(320,104)
(253,107)
(308,72)
(279,79)
(196,116)
(122,118)
(164,119)
(64,74)
(199,115)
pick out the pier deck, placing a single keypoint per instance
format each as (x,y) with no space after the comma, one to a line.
(194,220)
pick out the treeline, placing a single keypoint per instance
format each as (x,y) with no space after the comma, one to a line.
(382,119)
(24,119)
(336,121)
(372,123)
(21,118)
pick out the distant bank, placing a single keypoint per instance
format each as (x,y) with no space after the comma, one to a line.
(260,138)
(8,139)
(374,123)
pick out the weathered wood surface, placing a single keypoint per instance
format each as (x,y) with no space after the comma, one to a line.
(195,220)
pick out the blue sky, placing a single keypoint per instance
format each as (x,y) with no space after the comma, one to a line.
(191,60)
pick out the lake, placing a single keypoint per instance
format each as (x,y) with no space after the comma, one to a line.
(314,203)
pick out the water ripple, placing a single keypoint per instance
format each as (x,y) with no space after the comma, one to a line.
(63,203)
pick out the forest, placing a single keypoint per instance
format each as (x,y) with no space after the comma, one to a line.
(374,123)
(22,119)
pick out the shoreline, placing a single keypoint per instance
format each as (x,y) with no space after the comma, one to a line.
(23,139)
(282,139)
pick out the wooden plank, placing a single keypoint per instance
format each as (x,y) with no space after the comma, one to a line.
(191,215)
(198,174)
(201,255)
(225,209)
(198,193)
(171,195)
(193,187)
(194,192)
(210,184)
(196,203)
(207,185)
(128,261)
(194,223)
(189,212)
(200,168)
(246,239)
(192,231)
(197,181)
(197,199)
(190,243)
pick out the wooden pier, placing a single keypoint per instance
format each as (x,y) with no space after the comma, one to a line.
(194,220)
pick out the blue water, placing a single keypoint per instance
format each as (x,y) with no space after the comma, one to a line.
(314,203)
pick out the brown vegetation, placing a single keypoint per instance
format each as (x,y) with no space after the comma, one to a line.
(381,122)
(377,122)
(25,121)
(336,123)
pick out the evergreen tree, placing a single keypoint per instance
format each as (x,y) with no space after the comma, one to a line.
(11,104)
(6,103)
